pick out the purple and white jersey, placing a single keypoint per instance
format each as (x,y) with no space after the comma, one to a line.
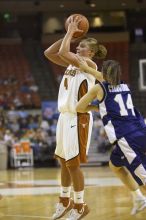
(118,114)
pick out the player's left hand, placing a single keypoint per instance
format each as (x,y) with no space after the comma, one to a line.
(82,63)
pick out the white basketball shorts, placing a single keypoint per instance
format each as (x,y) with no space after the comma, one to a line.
(73,137)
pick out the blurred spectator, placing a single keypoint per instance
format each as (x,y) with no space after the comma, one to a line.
(33,123)
(12,114)
(45,125)
(17,102)
(23,124)
(30,103)
(33,88)
(8,137)
(22,113)
(14,126)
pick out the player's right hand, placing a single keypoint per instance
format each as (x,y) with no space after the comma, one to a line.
(82,63)
(73,25)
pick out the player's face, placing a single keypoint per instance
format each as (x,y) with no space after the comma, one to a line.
(83,49)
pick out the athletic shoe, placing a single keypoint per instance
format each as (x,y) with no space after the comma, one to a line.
(78,212)
(65,204)
(139,205)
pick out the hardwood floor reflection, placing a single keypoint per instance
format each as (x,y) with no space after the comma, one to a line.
(32,194)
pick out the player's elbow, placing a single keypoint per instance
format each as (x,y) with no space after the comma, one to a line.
(46,54)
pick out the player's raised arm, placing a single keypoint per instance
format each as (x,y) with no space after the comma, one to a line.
(52,54)
(64,51)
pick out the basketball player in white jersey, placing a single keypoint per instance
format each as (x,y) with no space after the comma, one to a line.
(73,130)
(124,127)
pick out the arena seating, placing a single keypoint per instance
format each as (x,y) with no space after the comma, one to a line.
(120,52)
(14,72)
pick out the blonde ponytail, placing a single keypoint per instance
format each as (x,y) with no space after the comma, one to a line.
(101,52)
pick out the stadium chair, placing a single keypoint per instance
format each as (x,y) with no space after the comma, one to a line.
(22,155)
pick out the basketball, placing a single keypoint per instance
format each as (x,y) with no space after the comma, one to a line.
(83,25)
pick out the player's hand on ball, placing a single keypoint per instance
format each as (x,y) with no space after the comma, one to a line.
(73,25)
(80,22)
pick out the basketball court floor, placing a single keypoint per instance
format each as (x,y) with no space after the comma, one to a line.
(32,194)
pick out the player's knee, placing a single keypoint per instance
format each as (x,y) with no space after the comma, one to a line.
(73,168)
(113,167)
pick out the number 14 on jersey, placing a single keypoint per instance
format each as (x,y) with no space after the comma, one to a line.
(124,106)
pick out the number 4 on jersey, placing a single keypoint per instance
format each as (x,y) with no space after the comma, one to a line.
(129,105)
(66,83)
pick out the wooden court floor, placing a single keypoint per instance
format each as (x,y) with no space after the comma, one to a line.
(32,193)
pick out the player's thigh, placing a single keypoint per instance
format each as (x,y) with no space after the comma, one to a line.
(70,136)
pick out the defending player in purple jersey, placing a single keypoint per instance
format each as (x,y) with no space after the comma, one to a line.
(124,127)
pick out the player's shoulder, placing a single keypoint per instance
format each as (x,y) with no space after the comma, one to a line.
(100,90)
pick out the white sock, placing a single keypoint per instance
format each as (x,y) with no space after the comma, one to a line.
(65,191)
(79,197)
(137,194)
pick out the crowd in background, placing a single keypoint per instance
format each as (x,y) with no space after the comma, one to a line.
(17,125)
(17,94)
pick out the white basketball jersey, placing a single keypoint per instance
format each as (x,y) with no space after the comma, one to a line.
(70,87)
